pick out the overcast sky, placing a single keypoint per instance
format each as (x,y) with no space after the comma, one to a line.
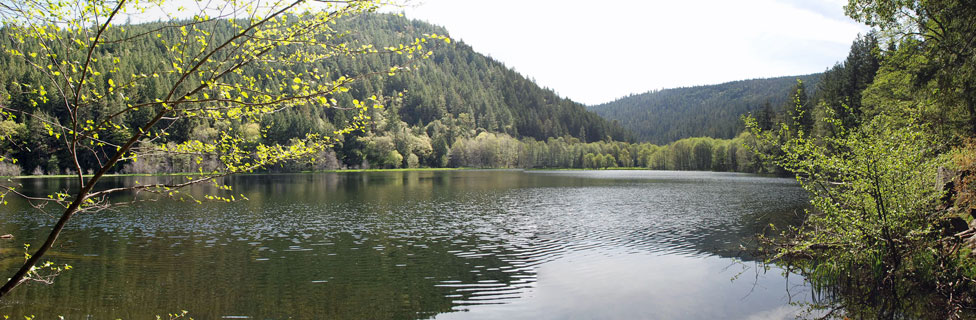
(597,51)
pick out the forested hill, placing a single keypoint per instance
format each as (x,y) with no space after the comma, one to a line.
(457,80)
(668,115)
(457,93)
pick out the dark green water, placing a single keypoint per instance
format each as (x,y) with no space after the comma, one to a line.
(405,245)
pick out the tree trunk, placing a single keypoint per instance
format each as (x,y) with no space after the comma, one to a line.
(19,277)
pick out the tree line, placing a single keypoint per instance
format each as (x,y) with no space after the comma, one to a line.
(492,150)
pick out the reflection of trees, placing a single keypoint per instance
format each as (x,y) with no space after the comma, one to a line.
(739,239)
(386,244)
(343,275)
(855,299)
(305,246)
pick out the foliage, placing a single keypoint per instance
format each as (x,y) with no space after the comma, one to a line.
(875,221)
(44,272)
(801,116)
(174,316)
(490,150)
(882,233)
(871,186)
(937,36)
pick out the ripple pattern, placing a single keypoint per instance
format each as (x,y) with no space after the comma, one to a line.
(319,242)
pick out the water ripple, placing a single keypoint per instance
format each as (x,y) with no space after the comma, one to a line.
(475,244)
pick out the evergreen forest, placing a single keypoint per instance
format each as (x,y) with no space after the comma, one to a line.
(454,95)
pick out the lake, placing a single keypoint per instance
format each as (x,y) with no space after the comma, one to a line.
(466,244)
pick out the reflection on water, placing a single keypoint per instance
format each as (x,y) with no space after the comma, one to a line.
(404,245)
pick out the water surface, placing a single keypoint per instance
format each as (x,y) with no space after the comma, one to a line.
(431,244)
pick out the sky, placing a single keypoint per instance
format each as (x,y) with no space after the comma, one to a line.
(597,51)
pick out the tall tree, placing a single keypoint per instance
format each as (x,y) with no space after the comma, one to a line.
(800,109)
(841,86)
(765,115)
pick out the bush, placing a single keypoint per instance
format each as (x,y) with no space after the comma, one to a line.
(876,229)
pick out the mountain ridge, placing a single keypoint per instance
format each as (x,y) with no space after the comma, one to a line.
(666,115)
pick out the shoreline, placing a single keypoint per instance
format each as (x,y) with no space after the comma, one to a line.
(63,176)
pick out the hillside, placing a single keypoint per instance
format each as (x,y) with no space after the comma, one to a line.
(458,80)
(668,115)
(457,93)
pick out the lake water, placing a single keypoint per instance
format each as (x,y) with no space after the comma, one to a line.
(428,244)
